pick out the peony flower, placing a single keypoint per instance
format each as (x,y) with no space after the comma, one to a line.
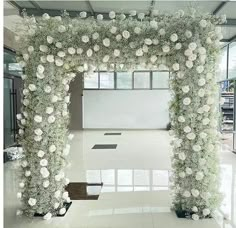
(203,23)
(52,148)
(41,153)
(195,217)
(137,30)
(165,48)
(178,46)
(195,192)
(30,49)
(196,148)
(175,66)
(162,32)
(106,42)
(199,176)
(191,136)
(47,89)
(71,50)
(174,37)
(192,46)
(40,68)
(201,82)
(188,34)
(141,16)
(186,101)
(46,183)
(139,52)
(186,194)
(32,202)
(116,52)
(182,156)
(89,52)
(112,14)
(99,17)
(153,24)
(43,48)
(181,119)
(83,14)
(38,119)
(51,119)
(61,28)
(187,129)
(43,162)
(48,216)
(126,34)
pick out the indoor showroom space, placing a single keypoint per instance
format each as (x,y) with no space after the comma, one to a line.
(119,114)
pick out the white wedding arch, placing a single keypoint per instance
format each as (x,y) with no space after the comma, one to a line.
(54,49)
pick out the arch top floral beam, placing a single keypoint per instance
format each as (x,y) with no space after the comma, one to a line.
(54,49)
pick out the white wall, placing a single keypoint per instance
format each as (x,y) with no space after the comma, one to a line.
(127,109)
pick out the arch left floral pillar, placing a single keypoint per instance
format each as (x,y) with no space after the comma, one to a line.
(43,135)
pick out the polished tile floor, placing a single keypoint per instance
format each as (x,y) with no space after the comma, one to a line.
(135,192)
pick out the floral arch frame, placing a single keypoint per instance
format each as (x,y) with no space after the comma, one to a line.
(54,49)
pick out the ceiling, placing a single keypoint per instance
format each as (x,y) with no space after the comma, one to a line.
(37,8)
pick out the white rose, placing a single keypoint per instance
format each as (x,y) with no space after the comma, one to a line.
(192,57)
(25,57)
(19,195)
(182,174)
(24,163)
(106,42)
(141,16)
(48,216)
(32,202)
(188,52)
(186,101)
(113,29)
(137,30)
(58,44)
(194,209)
(196,148)
(54,99)
(38,118)
(57,194)
(186,194)
(187,129)
(37,138)
(30,49)
(21,185)
(112,14)
(162,32)
(181,119)
(202,50)
(71,50)
(199,176)
(188,171)
(201,82)
(56,205)
(118,37)
(182,156)
(203,23)
(188,34)
(25,92)
(52,148)
(47,89)
(148,41)
(38,131)
(62,211)
(206,211)
(178,46)
(43,162)
(200,69)
(45,16)
(155,41)
(41,153)
(195,192)
(46,183)
(175,66)
(95,35)
(61,28)
(79,51)
(106,58)
(174,37)
(201,92)
(99,17)
(185,89)
(51,119)
(89,52)
(205,121)
(83,14)
(191,136)
(26,102)
(180,74)
(126,34)
(189,64)
(139,52)
(132,13)
(32,87)
(165,48)
(96,47)
(203,135)
(50,58)
(116,52)
(19,116)
(43,48)
(21,132)
(195,217)
(153,24)
(50,39)
(192,46)
(153,58)
(39,75)
(43,59)
(44,172)
(40,68)
(145,48)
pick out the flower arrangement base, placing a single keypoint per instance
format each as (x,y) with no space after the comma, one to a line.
(66,205)
(186,214)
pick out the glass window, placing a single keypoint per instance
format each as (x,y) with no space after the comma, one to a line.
(107,80)
(232,60)
(141,80)
(91,81)
(160,80)
(124,80)
(10,64)
(222,68)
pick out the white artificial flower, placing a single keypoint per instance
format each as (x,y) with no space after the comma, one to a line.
(39,75)
(46,183)
(165,48)
(65,195)
(38,119)
(141,16)
(201,92)
(132,13)
(23,121)
(30,49)
(153,24)
(200,69)
(48,216)
(51,119)
(112,14)
(44,172)
(38,131)
(186,101)
(188,171)
(50,58)
(113,29)
(52,148)
(203,23)
(21,132)
(57,177)
(188,34)
(67,87)
(67,99)
(203,135)
(47,89)
(67,181)
(195,217)
(83,14)
(208,40)
(192,46)
(155,41)
(43,48)
(61,54)
(54,99)
(32,202)
(189,64)
(180,74)
(37,138)
(56,205)
(181,119)
(24,163)
(118,37)
(99,17)
(43,162)
(106,58)
(25,92)
(61,28)
(182,156)
(25,102)
(45,16)
(95,36)
(202,50)
(106,42)
(191,136)
(71,50)
(32,87)
(175,66)
(139,52)
(201,82)
(25,57)
(50,39)
(22,63)
(57,194)
(58,44)
(89,52)
(40,153)
(137,30)
(192,57)
(18,116)
(19,195)
(205,121)
(174,37)
(188,52)
(206,211)
(148,41)
(210,100)
(116,52)
(126,34)
(199,176)
(23,76)
(186,194)
(162,32)
(197,148)
(195,192)
(40,68)
(200,110)
(43,59)
(194,209)
(182,174)
(178,46)
(187,129)
(153,58)
(185,89)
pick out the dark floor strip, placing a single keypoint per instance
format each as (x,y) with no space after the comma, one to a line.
(104,146)
(112,133)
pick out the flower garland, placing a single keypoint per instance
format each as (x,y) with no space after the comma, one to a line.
(54,49)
